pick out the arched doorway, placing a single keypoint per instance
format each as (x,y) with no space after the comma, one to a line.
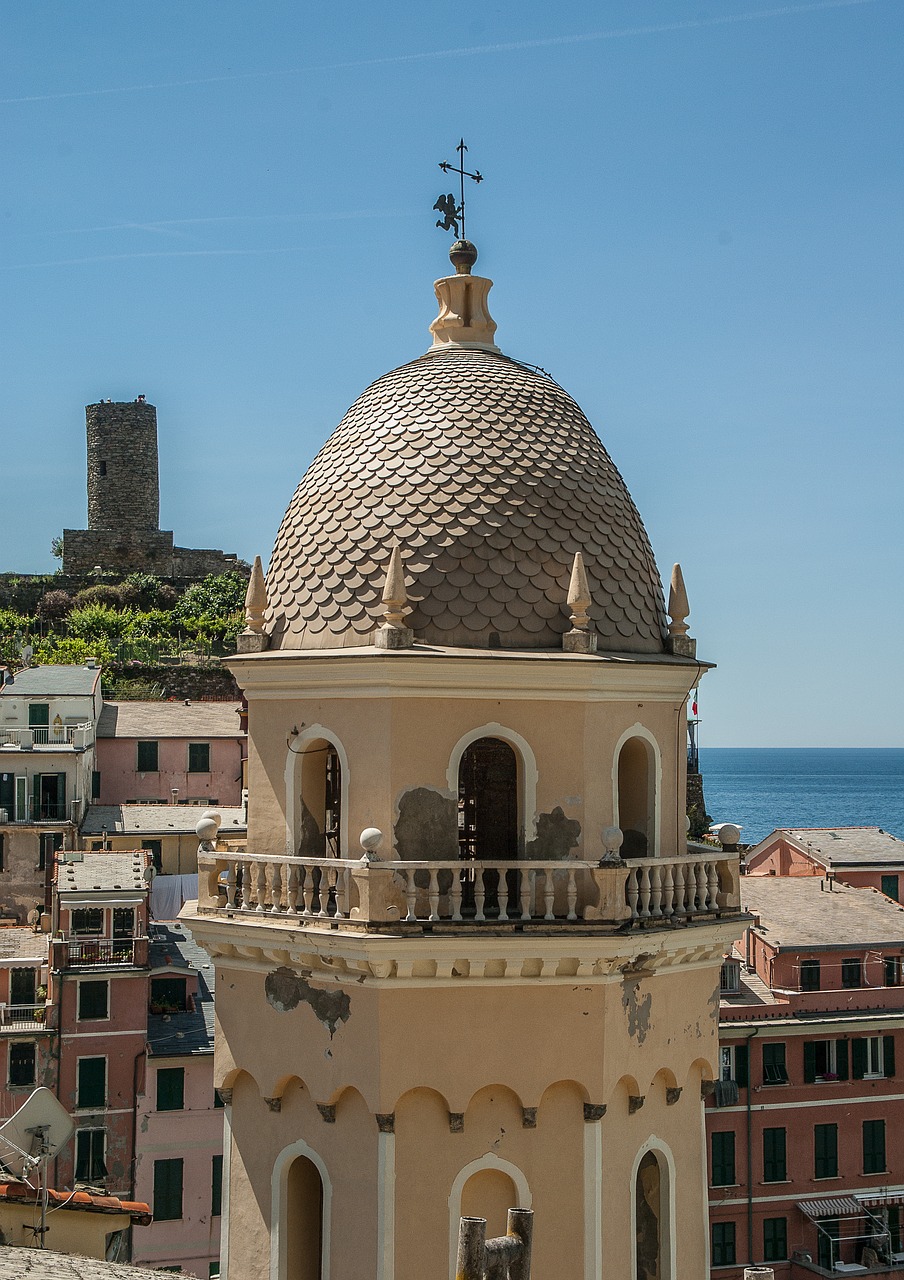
(321,833)
(637,798)
(653,1252)
(488,817)
(304,1221)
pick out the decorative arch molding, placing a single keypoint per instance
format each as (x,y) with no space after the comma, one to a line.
(527,768)
(279,1195)
(488,1161)
(294,753)
(638,730)
(667,1181)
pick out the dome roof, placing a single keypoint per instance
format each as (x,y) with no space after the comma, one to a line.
(490,478)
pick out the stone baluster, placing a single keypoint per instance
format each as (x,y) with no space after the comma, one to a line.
(526,881)
(455,894)
(410,895)
(433,894)
(668,891)
(700,876)
(322,893)
(292,888)
(713,886)
(656,891)
(549,894)
(276,889)
(572,893)
(260,886)
(644,877)
(632,891)
(480,892)
(343,892)
(230,885)
(307,890)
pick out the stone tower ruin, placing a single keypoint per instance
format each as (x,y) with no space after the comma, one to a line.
(124,534)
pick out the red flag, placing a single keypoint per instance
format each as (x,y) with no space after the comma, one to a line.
(694,707)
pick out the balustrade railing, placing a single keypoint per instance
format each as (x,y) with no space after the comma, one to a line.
(647,891)
(101,951)
(66,735)
(22,1017)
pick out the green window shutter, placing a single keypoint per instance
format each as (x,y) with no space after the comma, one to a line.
(809,1061)
(167,1190)
(858,1058)
(874,1146)
(148,759)
(774,1155)
(841,1059)
(170,1088)
(742,1073)
(888,1055)
(775,1239)
(216,1186)
(723,1158)
(91,1088)
(95,784)
(199,757)
(825,1145)
(39,715)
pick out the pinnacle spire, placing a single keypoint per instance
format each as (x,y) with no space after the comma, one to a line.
(393,633)
(581,638)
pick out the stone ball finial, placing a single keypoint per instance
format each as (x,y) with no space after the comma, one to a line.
(613,838)
(371,838)
(206,830)
(728,834)
(463,255)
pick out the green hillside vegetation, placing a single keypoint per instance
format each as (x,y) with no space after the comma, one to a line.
(139,620)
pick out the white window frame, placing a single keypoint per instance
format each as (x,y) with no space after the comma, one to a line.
(90,1128)
(730,970)
(831,1071)
(875,1058)
(727,1061)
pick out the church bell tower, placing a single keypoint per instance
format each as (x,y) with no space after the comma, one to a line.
(469,959)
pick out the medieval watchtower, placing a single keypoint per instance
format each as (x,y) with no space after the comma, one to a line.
(123,480)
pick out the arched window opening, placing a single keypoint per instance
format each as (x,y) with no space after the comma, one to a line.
(304,1221)
(488,819)
(636,798)
(648,1218)
(489,1193)
(321,801)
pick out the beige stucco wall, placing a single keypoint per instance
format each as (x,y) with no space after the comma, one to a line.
(68,1231)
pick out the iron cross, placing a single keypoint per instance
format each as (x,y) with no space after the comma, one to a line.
(453,214)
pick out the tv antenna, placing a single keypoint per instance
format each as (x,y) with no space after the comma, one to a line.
(34,1135)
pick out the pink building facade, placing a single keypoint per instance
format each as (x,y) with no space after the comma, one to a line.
(865,857)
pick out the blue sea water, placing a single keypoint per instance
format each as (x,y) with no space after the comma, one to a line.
(761,788)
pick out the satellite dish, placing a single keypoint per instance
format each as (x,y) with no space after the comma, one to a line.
(148,873)
(34,917)
(36,1133)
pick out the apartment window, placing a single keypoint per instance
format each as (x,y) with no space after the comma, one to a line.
(123,922)
(851,973)
(22,1062)
(775,1239)
(95,784)
(825,1060)
(91,1083)
(825,1149)
(51,841)
(775,1166)
(217,1099)
(723,1244)
(170,1088)
(809,975)
(733,1064)
(775,1070)
(199,757)
(148,757)
(167,1190)
(873,1146)
(168,995)
(723,1159)
(213,1271)
(890,887)
(93,1000)
(87,922)
(90,1164)
(216,1186)
(155,849)
(893,971)
(730,977)
(872,1057)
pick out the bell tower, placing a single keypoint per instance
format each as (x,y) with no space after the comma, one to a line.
(469,960)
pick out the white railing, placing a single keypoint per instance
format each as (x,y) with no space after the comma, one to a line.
(673,888)
(648,891)
(22,1017)
(65,735)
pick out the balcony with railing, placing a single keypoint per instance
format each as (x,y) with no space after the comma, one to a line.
(416,896)
(66,737)
(36,810)
(98,953)
(16,1018)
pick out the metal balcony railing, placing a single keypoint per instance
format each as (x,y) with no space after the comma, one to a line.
(101,951)
(74,736)
(22,1017)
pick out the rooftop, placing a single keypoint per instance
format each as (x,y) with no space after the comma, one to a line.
(174,1034)
(169,720)
(801,911)
(102,869)
(19,942)
(45,1264)
(51,681)
(143,820)
(848,846)
(84,1200)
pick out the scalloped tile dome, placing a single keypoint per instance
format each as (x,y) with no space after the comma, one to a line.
(491,478)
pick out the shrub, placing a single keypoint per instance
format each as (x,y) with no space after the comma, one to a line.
(219,595)
(100,593)
(99,621)
(142,590)
(14,623)
(54,606)
(154,623)
(72,651)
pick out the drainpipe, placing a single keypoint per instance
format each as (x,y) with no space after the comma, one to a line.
(751,1037)
(142,1053)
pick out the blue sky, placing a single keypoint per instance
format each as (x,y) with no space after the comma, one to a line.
(692,213)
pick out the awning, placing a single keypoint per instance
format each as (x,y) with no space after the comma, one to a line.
(879,1199)
(832,1207)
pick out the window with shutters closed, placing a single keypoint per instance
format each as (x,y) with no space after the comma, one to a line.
(91,1088)
(167,1190)
(170,1088)
(775,1239)
(723,1244)
(873,1146)
(723,1159)
(775,1168)
(825,1151)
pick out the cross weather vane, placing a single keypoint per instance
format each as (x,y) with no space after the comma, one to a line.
(453,214)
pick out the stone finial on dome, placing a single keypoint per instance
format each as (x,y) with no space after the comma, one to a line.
(254,639)
(679,641)
(464,319)
(581,638)
(393,634)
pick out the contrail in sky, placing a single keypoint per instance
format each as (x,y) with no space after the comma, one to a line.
(169,226)
(513,46)
(170,253)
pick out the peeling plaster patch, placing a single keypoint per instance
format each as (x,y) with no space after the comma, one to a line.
(636,1007)
(285,989)
(427,826)
(556,836)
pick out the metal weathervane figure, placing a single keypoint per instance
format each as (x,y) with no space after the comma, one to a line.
(454,214)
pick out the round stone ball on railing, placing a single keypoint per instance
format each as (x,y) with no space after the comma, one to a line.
(207,828)
(213,816)
(613,838)
(371,838)
(728,835)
